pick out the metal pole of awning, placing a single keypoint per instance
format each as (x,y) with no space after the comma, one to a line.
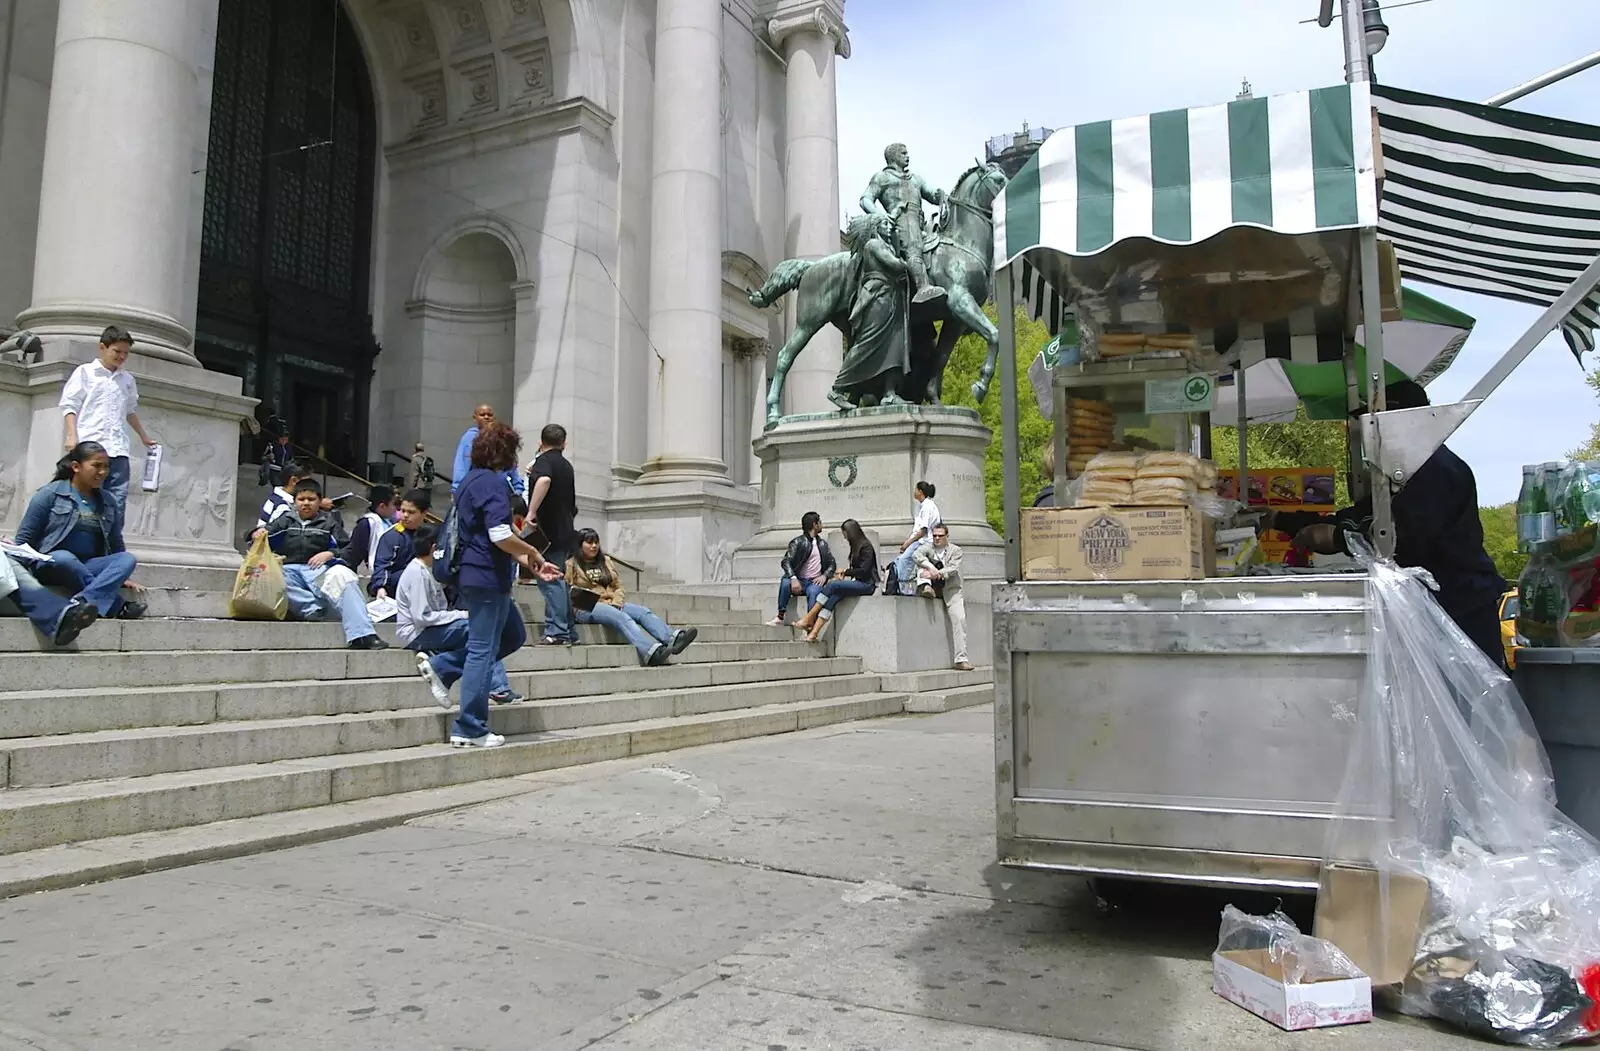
(1010,475)
(1358,69)
(1544,81)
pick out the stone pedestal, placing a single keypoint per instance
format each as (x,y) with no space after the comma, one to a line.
(194,414)
(896,635)
(685,530)
(863,465)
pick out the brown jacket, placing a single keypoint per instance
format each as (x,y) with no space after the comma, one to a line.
(578,578)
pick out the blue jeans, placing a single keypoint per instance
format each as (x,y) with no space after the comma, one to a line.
(446,645)
(835,590)
(99,579)
(494,632)
(557,603)
(905,569)
(115,487)
(812,590)
(38,603)
(638,625)
(307,602)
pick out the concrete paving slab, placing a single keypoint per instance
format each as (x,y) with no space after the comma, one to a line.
(252,969)
(729,1017)
(571,893)
(1062,973)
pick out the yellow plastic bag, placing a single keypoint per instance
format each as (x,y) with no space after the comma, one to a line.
(258,591)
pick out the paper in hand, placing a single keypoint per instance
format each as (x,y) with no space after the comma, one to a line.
(152,469)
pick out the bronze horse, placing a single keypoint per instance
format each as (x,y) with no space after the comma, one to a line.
(960,256)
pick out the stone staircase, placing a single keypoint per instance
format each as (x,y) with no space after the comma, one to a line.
(154,742)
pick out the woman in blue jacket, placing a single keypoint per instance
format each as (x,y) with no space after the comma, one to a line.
(70,520)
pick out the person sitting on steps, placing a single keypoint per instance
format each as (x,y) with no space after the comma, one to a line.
(597,598)
(56,618)
(74,523)
(425,623)
(939,576)
(309,540)
(807,566)
(370,528)
(859,579)
(395,547)
(927,516)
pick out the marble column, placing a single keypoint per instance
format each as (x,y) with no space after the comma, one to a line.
(117,183)
(810,34)
(686,244)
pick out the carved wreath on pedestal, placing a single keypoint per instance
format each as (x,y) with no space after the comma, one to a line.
(845,465)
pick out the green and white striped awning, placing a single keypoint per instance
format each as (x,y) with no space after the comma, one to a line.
(1294,164)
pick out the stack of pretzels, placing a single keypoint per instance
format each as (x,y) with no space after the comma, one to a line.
(1091,428)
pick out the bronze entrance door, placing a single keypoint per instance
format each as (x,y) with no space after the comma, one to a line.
(287,233)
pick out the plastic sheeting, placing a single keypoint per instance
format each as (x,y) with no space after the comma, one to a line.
(1447,781)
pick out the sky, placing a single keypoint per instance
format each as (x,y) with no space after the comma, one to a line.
(944,77)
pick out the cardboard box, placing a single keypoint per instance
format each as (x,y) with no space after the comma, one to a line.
(1115,543)
(1375,917)
(1252,980)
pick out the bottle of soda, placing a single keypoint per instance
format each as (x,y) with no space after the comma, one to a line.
(1551,483)
(1528,507)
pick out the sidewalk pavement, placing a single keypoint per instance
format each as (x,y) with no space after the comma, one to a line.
(827,890)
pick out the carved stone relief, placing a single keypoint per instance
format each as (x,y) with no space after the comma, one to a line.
(195,500)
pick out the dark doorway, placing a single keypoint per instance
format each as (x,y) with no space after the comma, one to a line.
(287,235)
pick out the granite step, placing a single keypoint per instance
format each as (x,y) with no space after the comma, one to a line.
(39,713)
(675,609)
(38,818)
(67,759)
(141,669)
(182,633)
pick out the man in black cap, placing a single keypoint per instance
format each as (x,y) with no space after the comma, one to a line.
(1436,528)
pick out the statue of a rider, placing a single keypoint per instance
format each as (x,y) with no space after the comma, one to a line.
(898,192)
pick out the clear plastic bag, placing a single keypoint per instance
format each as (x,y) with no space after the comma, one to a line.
(1447,781)
(1302,957)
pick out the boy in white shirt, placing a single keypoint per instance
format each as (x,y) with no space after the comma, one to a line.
(927,516)
(99,403)
(425,623)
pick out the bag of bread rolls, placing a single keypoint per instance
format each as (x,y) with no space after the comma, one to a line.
(1098,493)
(1170,459)
(1124,466)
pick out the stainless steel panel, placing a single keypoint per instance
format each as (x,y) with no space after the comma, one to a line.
(1206,868)
(1180,726)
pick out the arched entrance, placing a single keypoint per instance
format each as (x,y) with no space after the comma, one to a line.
(287,236)
(466,307)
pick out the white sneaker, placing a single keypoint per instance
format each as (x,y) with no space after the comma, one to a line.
(486,741)
(441,692)
(776,622)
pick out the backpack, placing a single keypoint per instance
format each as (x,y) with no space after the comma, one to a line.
(447,550)
(425,476)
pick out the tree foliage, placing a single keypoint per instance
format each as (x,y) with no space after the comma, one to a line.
(1033,430)
(1500,539)
(1590,450)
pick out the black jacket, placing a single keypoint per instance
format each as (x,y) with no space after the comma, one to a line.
(1437,528)
(297,539)
(799,551)
(864,565)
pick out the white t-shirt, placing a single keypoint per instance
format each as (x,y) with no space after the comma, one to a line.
(926,518)
(102,400)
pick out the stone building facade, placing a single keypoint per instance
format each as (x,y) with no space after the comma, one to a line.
(371,215)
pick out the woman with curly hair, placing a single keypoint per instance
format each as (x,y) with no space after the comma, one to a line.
(490,553)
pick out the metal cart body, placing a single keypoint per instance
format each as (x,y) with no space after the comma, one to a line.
(1198,731)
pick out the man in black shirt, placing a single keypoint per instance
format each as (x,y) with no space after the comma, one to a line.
(1436,528)
(552,505)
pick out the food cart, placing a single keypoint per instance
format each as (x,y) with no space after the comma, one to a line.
(1196,730)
